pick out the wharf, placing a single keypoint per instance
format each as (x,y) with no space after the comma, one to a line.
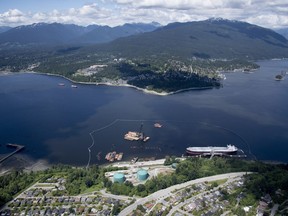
(18,148)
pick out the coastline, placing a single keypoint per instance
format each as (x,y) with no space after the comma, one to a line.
(163,93)
(23,162)
(27,164)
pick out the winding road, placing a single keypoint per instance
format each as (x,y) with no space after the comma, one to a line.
(162,194)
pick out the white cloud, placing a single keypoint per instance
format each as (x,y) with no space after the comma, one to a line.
(274,20)
(186,4)
(266,13)
(12,17)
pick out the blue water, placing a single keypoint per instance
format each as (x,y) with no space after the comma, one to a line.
(54,122)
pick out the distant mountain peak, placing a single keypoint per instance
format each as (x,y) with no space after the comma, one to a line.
(212,38)
(222,20)
(58,33)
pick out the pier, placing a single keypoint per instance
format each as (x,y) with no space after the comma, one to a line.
(18,148)
(211,154)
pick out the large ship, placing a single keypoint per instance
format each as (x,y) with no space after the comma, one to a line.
(210,150)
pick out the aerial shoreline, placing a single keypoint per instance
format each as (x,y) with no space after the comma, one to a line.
(152,92)
(29,164)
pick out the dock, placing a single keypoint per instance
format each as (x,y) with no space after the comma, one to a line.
(213,153)
(18,148)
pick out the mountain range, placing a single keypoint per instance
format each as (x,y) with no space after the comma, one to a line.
(56,33)
(4,29)
(213,38)
(283,31)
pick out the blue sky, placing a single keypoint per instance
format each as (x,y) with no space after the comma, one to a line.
(38,5)
(266,13)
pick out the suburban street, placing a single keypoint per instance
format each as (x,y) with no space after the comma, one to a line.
(162,194)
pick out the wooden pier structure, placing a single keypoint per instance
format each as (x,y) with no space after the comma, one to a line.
(18,148)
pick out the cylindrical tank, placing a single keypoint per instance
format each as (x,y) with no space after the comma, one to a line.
(119,177)
(174,165)
(142,175)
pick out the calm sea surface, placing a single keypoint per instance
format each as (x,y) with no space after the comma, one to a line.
(55,122)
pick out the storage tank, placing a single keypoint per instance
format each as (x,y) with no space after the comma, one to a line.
(174,165)
(119,177)
(142,175)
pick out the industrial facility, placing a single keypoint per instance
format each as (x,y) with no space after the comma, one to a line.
(119,177)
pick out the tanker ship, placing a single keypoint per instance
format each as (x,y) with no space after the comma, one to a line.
(211,150)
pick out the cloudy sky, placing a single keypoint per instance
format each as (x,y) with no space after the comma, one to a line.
(266,13)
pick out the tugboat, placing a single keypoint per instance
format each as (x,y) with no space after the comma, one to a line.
(157,125)
(134,160)
(281,76)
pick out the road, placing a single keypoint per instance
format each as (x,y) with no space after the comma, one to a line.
(162,194)
(178,207)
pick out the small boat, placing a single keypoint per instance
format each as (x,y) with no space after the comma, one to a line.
(134,160)
(99,155)
(61,84)
(74,86)
(145,139)
(119,156)
(279,77)
(157,125)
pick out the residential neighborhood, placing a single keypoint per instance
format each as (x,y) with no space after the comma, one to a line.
(198,197)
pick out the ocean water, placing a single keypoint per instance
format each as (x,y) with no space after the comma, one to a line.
(58,123)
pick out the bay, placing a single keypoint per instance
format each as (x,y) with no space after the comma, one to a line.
(57,123)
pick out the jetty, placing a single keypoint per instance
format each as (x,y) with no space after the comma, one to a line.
(18,148)
(212,154)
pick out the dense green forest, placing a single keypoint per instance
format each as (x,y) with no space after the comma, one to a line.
(13,183)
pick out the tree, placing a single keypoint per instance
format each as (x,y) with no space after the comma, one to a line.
(88,182)
(141,208)
(141,188)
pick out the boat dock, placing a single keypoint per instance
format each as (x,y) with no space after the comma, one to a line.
(18,148)
(212,154)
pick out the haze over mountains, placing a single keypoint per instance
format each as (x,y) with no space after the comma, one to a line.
(4,29)
(56,33)
(283,31)
(213,38)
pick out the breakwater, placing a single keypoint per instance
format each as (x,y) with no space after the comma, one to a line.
(18,148)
